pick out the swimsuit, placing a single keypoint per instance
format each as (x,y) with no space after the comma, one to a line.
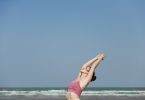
(74,86)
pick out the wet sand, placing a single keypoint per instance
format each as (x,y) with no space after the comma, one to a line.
(82,98)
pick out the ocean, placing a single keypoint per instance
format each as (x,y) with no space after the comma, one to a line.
(58,93)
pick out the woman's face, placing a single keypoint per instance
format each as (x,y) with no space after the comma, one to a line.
(88,69)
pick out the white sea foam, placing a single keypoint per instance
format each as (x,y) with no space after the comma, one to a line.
(32,93)
(115,93)
(63,92)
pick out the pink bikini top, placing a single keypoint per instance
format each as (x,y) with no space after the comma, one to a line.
(74,86)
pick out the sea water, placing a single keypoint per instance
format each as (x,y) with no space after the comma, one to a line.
(60,91)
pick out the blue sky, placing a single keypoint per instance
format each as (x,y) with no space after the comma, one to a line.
(44,43)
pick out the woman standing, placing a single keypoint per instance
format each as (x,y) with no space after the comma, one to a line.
(85,76)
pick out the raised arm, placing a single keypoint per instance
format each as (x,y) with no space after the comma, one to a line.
(90,74)
(94,66)
(90,62)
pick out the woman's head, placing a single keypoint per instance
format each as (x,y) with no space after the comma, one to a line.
(93,77)
(85,70)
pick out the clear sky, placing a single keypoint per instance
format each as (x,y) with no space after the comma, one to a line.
(44,43)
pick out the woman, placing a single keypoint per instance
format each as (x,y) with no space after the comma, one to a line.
(85,76)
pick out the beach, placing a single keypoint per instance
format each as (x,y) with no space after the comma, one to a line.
(82,98)
(112,98)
